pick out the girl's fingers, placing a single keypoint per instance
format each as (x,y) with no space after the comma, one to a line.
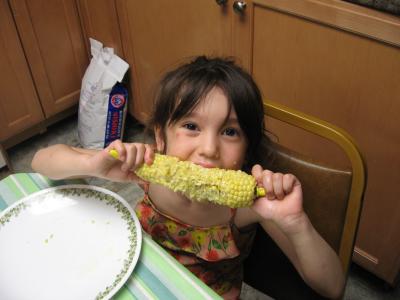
(277,185)
(256,171)
(130,159)
(277,182)
(140,151)
(268,183)
(288,183)
(137,154)
(119,147)
(149,154)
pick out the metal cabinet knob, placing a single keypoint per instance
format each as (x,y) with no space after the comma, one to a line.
(239,6)
(221,2)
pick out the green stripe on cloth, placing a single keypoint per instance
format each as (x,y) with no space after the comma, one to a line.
(45,182)
(152,282)
(12,189)
(124,294)
(3,203)
(16,186)
(26,182)
(7,194)
(139,288)
(173,274)
(40,180)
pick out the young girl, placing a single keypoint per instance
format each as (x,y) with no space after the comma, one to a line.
(210,112)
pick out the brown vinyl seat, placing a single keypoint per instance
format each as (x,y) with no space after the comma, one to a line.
(332,200)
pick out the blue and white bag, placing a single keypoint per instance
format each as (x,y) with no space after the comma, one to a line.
(103,99)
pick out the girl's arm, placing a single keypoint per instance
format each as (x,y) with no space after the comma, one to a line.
(62,161)
(283,218)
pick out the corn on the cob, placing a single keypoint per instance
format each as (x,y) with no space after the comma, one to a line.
(224,187)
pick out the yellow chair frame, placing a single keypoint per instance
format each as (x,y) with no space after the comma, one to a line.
(348,145)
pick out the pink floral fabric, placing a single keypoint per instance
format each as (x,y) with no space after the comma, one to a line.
(211,253)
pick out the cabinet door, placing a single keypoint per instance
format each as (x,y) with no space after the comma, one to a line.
(19,104)
(157,35)
(351,81)
(100,20)
(53,42)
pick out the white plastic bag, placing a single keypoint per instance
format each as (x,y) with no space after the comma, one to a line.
(103,100)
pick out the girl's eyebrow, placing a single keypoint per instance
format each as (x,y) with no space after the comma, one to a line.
(227,120)
(231,120)
(192,114)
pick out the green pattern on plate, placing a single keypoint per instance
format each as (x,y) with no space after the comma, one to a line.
(126,215)
(14,212)
(108,200)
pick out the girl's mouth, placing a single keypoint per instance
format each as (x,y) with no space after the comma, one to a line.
(206,164)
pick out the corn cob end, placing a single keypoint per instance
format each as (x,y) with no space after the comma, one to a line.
(114,153)
(260,192)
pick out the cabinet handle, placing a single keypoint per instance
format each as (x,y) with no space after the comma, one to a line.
(239,6)
(221,2)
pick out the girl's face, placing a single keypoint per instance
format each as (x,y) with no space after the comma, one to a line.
(209,136)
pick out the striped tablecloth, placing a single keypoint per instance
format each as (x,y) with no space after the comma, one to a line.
(157,275)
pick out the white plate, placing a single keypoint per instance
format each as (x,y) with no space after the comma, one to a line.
(68,242)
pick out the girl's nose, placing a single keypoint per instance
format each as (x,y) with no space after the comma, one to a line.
(209,146)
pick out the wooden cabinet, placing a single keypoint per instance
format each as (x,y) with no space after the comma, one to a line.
(44,57)
(100,21)
(339,62)
(53,42)
(19,104)
(157,35)
(328,58)
(312,56)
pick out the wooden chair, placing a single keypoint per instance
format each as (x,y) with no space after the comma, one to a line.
(332,200)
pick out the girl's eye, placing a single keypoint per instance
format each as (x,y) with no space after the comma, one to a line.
(190,126)
(231,132)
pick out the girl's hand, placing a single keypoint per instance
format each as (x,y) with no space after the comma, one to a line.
(283,201)
(130,157)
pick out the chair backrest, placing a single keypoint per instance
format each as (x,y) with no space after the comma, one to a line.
(332,200)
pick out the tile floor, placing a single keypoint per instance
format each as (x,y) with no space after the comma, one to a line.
(361,285)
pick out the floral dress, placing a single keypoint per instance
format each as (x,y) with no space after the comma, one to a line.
(214,254)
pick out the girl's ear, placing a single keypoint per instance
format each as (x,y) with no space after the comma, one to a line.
(160,143)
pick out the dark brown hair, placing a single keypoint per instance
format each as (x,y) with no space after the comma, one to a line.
(182,89)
